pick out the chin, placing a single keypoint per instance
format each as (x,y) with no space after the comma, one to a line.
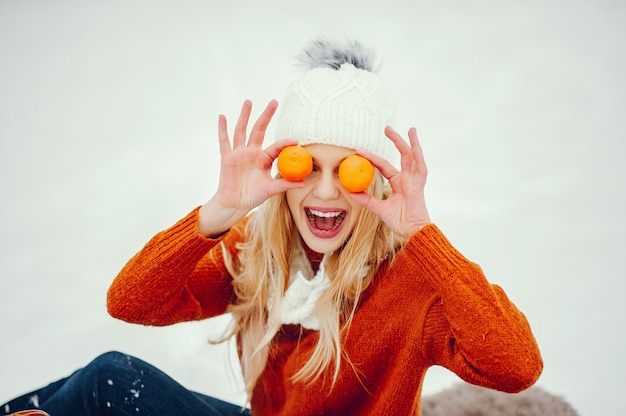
(322,246)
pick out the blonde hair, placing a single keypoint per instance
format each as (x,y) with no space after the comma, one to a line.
(261,275)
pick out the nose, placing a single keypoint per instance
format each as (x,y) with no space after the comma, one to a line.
(326,186)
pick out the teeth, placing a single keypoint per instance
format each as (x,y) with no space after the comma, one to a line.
(325,214)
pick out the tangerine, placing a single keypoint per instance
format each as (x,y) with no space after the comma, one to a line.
(356,173)
(294,163)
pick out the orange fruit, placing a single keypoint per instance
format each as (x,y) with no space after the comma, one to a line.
(294,163)
(356,173)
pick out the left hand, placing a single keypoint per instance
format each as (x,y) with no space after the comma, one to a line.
(405,210)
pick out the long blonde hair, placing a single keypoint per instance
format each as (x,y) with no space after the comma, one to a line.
(261,275)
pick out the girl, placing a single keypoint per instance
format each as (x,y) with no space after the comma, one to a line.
(340,301)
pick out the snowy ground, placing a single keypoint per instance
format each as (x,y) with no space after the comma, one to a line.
(108,116)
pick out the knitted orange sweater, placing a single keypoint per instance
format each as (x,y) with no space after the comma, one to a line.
(431,307)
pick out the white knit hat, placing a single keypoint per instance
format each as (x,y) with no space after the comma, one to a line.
(338,101)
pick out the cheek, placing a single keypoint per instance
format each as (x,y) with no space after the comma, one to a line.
(293,201)
(356,213)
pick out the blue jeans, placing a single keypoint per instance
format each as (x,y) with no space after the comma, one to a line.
(120,385)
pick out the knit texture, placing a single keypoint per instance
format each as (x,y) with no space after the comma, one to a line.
(430,307)
(346,107)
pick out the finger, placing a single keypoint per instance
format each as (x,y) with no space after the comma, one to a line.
(416,149)
(403,147)
(239,137)
(275,148)
(281,185)
(222,134)
(386,168)
(258,130)
(368,202)
(397,140)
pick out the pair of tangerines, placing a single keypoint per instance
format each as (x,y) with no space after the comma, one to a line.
(355,172)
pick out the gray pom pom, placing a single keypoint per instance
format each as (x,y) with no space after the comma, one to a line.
(332,54)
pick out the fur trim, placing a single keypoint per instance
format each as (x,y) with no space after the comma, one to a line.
(466,399)
(331,53)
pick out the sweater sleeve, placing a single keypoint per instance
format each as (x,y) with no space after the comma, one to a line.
(179,275)
(471,328)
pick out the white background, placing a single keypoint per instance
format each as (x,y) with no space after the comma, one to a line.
(108,117)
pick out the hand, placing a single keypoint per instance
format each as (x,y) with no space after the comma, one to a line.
(245,172)
(405,210)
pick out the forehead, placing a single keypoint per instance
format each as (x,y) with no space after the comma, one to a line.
(328,152)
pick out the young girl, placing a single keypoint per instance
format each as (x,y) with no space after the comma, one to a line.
(340,301)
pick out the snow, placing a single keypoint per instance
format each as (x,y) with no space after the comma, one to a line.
(108,120)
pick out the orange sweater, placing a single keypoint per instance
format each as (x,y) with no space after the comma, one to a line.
(431,307)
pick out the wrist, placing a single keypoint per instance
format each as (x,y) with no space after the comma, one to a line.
(215,220)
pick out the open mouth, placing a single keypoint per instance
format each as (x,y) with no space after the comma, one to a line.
(325,220)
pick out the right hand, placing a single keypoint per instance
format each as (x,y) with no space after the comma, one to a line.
(245,172)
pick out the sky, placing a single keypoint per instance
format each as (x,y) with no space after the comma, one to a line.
(108,134)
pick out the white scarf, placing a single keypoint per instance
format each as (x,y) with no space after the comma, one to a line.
(305,288)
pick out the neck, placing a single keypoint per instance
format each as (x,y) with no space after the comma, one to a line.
(314,257)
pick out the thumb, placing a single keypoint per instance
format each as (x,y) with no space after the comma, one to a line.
(368,201)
